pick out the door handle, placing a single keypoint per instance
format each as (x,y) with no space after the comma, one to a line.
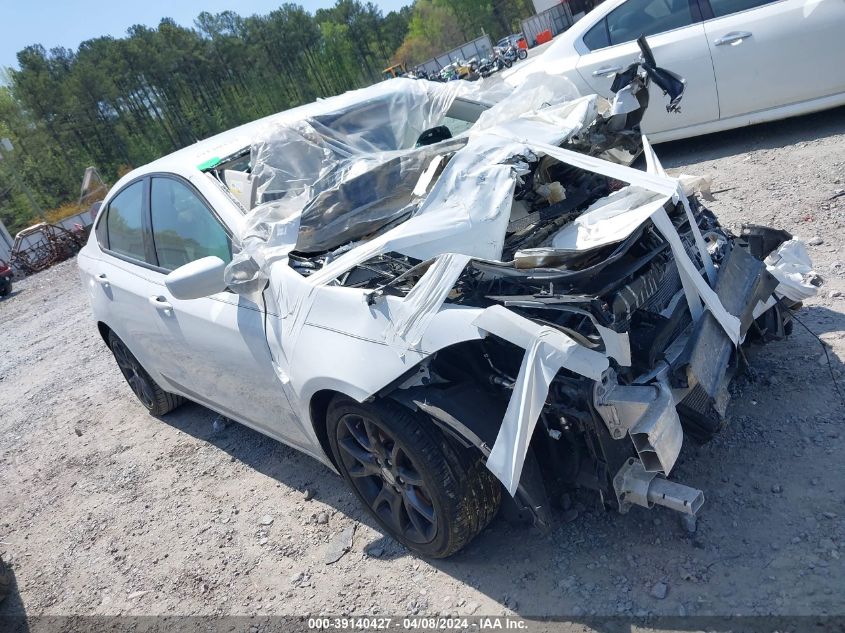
(160,303)
(607,70)
(734,37)
(102,279)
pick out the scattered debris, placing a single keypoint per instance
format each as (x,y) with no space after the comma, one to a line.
(659,590)
(339,545)
(38,247)
(266,520)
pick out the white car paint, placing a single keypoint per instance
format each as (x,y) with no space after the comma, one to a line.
(215,350)
(262,358)
(788,63)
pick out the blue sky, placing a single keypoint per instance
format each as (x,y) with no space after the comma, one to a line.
(67,23)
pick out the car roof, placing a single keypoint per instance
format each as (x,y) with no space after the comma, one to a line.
(207,153)
(204,154)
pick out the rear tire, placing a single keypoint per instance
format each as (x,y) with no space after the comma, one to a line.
(522,53)
(157,401)
(432,496)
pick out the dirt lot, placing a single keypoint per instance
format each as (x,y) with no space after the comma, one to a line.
(105,510)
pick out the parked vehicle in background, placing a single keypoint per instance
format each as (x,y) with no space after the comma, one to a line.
(745,61)
(449,72)
(517,40)
(391,72)
(460,69)
(513,54)
(5,279)
(492,64)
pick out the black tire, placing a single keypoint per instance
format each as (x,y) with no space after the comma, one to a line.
(434,497)
(5,580)
(522,53)
(5,286)
(157,401)
(508,63)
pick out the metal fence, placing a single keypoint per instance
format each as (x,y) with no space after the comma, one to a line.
(6,242)
(557,20)
(479,47)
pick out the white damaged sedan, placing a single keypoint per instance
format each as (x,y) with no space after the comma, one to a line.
(457,299)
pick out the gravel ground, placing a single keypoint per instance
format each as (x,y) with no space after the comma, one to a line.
(105,510)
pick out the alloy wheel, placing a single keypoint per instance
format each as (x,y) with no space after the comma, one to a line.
(134,374)
(386,476)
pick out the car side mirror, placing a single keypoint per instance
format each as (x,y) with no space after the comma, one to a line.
(197,279)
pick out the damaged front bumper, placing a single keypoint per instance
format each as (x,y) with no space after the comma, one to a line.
(687,392)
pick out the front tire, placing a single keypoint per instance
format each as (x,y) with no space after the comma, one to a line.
(157,401)
(522,53)
(430,495)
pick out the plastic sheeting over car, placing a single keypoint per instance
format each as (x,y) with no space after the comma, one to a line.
(345,181)
(348,170)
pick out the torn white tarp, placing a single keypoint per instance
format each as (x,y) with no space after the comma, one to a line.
(791,266)
(410,321)
(685,185)
(610,219)
(547,350)
(696,288)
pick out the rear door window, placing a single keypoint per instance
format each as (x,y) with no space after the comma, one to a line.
(184,228)
(726,7)
(125,222)
(647,17)
(597,37)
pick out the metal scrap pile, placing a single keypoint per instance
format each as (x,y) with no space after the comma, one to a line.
(40,246)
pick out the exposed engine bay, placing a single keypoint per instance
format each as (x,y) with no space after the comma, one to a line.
(609,307)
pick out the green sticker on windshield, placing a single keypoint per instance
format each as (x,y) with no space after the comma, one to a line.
(209,164)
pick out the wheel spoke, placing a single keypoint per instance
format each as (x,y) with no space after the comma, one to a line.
(134,383)
(376,444)
(422,527)
(141,389)
(147,390)
(353,448)
(410,476)
(421,506)
(120,357)
(354,425)
(364,470)
(396,511)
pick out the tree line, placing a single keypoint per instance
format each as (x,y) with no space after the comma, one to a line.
(117,103)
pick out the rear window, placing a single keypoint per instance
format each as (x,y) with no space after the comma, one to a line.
(726,7)
(640,17)
(647,17)
(125,222)
(597,37)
